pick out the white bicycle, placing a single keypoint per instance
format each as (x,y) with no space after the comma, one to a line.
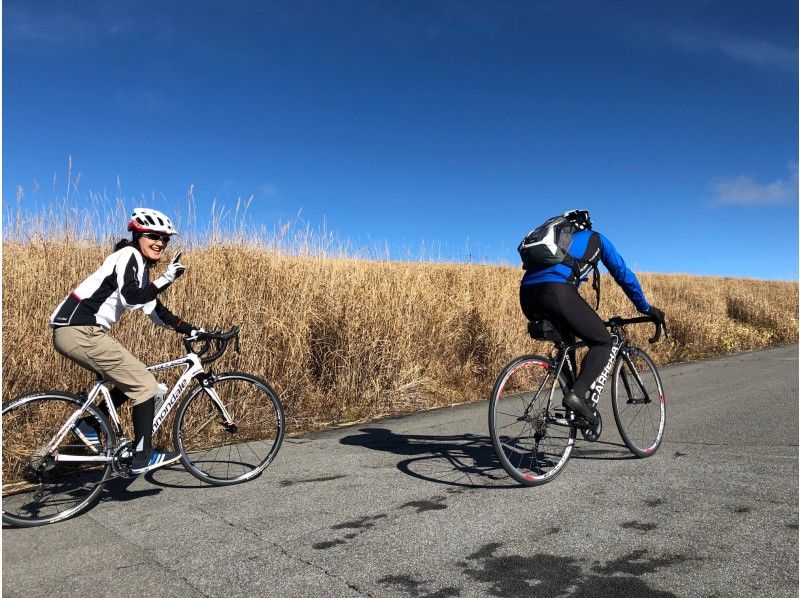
(228,430)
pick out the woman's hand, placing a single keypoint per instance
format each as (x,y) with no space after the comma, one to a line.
(173,271)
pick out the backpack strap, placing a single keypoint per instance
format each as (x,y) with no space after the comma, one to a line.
(590,258)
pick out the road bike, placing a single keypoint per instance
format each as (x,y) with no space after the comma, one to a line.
(533,434)
(228,430)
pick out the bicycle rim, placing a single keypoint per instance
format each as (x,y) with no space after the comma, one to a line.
(37,487)
(532,442)
(638,402)
(220,452)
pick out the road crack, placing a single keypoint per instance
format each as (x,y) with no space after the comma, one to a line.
(149,563)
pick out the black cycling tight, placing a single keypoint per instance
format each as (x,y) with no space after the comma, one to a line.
(561,303)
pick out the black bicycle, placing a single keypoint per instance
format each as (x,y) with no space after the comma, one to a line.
(533,434)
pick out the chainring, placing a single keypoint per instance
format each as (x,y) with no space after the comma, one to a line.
(122,459)
(592,433)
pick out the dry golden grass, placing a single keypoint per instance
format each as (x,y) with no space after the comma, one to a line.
(344,340)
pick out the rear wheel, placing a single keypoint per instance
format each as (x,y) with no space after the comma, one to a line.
(638,402)
(530,432)
(229,431)
(39,486)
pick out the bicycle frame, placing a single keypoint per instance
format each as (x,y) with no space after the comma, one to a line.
(561,358)
(632,368)
(619,351)
(193,369)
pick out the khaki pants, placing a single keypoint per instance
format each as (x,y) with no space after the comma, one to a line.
(95,350)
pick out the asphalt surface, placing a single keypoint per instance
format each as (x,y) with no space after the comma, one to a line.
(418,506)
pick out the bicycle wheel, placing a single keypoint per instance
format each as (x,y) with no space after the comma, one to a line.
(38,487)
(530,433)
(638,401)
(223,452)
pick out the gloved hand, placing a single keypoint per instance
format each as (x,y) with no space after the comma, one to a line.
(174,270)
(195,334)
(656,314)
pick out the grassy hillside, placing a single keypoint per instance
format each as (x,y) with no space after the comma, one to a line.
(344,339)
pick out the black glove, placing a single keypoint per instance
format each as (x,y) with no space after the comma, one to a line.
(656,314)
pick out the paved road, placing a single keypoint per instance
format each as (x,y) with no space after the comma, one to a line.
(417,506)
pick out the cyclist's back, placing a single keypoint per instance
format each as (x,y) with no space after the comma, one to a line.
(552,293)
(598,248)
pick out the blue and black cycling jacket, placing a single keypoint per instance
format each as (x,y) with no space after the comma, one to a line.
(611,260)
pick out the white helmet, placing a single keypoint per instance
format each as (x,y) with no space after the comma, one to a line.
(145,220)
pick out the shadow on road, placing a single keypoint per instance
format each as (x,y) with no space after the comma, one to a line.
(465,460)
(117,490)
(175,476)
(171,476)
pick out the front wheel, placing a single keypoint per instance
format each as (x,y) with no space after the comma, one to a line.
(229,429)
(638,401)
(43,485)
(530,432)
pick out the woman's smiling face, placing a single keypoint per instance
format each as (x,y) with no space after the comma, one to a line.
(152,245)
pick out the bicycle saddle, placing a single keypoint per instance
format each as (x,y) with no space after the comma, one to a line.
(543,330)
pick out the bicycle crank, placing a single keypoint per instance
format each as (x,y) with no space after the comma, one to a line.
(592,433)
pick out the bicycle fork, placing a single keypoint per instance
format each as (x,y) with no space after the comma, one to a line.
(207,384)
(645,395)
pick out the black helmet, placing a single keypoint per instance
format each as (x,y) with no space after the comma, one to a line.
(581,218)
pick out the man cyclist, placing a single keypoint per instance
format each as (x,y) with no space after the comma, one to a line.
(552,293)
(81,321)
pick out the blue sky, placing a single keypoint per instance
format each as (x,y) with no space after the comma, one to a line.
(454,125)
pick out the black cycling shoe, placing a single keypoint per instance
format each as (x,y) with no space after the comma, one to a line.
(582,408)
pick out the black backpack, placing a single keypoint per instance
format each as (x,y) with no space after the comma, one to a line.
(548,244)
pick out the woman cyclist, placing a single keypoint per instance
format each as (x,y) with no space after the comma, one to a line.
(552,293)
(81,321)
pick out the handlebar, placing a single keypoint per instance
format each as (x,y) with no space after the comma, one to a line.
(215,338)
(618,321)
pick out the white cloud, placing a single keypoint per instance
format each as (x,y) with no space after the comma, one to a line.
(755,52)
(744,191)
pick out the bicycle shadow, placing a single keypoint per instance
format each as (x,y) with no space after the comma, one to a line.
(175,476)
(118,489)
(463,460)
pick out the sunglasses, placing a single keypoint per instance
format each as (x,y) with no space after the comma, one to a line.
(156,237)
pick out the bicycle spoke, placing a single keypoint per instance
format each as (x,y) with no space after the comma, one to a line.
(640,421)
(228,452)
(528,443)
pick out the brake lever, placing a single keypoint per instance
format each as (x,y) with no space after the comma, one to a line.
(655,339)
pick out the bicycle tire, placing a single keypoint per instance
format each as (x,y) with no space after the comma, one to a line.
(207,445)
(34,484)
(641,416)
(519,421)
